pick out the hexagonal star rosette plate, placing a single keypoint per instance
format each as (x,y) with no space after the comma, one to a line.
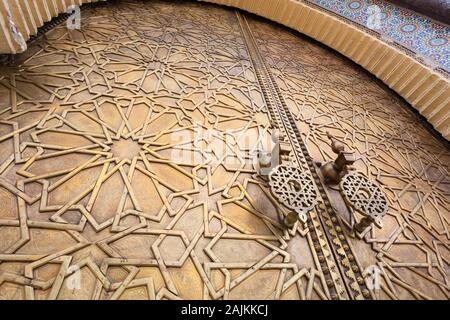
(364,195)
(294,188)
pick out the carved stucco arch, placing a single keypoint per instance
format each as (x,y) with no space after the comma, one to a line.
(425,89)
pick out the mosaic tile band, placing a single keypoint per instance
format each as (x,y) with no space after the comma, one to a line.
(424,36)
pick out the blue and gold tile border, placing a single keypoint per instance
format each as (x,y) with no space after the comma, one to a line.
(427,38)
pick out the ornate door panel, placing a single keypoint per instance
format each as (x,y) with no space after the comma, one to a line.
(128,165)
(327,93)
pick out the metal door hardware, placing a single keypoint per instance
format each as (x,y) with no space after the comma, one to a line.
(295,189)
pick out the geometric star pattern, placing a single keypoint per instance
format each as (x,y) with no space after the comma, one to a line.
(393,147)
(127,151)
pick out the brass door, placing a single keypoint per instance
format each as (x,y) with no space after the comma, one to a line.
(127,165)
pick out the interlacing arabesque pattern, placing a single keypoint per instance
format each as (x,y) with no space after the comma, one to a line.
(95,204)
(327,93)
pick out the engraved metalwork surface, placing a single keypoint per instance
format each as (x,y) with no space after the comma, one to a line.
(343,276)
(326,92)
(293,187)
(95,204)
(363,195)
(91,120)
